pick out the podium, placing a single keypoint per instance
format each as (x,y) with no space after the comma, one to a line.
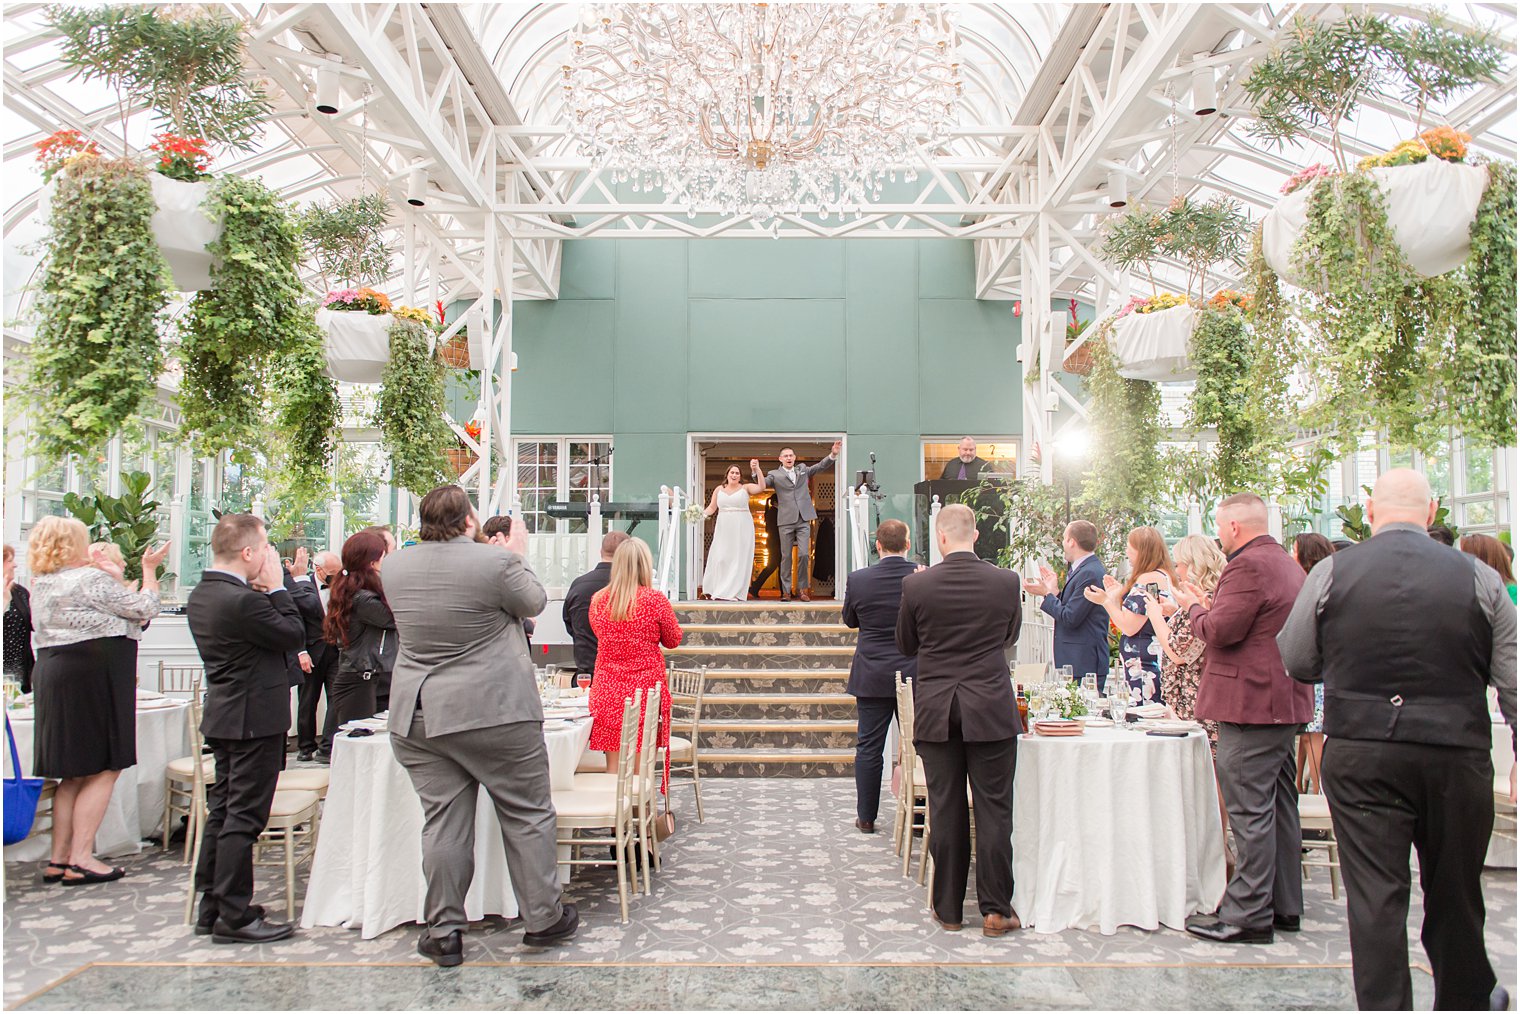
(992,535)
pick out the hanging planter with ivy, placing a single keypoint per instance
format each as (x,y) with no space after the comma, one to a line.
(410,411)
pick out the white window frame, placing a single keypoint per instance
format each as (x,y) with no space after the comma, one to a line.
(562,465)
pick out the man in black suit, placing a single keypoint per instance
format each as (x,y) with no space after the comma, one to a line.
(316,660)
(246,626)
(967,464)
(871,598)
(958,617)
(1408,635)
(577,609)
(773,540)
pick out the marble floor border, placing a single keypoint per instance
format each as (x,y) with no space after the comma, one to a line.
(23,1001)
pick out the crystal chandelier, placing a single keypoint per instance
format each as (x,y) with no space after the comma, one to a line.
(761,108)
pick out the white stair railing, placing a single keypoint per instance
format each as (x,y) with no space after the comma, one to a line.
(859,506)
(667,568)
(594,532)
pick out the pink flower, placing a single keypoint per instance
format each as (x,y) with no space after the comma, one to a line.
(1135,302)
(1306,176)
(341,296)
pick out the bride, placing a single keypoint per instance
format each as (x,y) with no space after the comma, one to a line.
(731,558)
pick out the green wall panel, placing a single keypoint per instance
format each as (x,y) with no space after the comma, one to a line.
(947,269)
(768,269)
(881,322)
(651,318)
(766,364)
(968,367)
(588,269)
(549,393)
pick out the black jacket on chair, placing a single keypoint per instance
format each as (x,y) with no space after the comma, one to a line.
(871,599)
(958,617)
(245,638)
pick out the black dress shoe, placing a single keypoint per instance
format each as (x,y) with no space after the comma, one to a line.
(1222,932)
(446,952)
(260,931)
(205,924)
(865,826)
(1286,923)
(305,755)
(568,923)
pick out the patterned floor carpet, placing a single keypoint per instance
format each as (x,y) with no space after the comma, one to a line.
(776,876)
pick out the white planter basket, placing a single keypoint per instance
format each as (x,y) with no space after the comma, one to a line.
(1154,346)
(358,344)
(181,226)
(1431,207)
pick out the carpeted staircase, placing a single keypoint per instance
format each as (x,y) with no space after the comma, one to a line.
(775,703)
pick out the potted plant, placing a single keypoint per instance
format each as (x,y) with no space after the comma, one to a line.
(1150,337)
(346,240)
(461,455)
(1403,265)
(1076,360)
(358,324)
(186,64)
(130,520)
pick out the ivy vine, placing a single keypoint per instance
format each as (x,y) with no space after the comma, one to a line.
(306,415)
(97,353)
(1221,352)
(254,311)
(410,412)
(1478,367)
(1125,418)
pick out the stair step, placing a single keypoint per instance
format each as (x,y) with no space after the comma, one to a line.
(776,725)
(776,763)
(779,756)
(776,628)
(714,674)
(842,650)
(759,605)
(845,700)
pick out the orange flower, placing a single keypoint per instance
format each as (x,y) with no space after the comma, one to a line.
(379,297)
(1446,143)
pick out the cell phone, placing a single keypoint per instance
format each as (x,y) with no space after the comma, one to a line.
(1167,733)
(1154,589)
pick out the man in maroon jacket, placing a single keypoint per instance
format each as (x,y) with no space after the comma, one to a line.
(1259,711)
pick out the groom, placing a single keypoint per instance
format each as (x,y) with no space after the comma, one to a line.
(794,511)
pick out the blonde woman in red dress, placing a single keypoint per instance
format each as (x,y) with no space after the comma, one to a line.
(631,621)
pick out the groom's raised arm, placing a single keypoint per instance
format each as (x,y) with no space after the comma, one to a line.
(824,465)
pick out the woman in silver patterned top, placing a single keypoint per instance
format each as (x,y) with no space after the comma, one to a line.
(87,624)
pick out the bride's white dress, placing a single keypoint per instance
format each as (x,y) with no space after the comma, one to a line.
(731,558)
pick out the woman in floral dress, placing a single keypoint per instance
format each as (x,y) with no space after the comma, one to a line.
(1198,560)
(1139,652)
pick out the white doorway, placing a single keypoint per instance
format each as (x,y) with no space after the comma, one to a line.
(708,456)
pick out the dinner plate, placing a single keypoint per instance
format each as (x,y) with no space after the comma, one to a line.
(1097,723)
(157,704)
(149,695)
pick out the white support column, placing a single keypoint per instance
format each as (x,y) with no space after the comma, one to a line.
(934,509)
(336,522)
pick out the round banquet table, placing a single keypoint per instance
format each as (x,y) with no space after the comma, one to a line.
(367,872)
(137,803)
(1115,828)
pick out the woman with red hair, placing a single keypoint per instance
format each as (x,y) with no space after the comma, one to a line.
(360,623)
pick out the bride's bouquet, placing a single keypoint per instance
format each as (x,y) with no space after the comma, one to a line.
(692,514)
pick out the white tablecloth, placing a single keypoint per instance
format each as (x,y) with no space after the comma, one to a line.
(368,869)
(137,804)
(1115,828)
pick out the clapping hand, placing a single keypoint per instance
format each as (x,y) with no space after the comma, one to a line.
(299,562)
(1107,596)
(153,557)
(1190,595)
(268,578)
(1045,584)
(100,561)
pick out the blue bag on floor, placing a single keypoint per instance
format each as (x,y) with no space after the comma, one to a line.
(21,795)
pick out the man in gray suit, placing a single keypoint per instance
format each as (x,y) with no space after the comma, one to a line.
(794,512)
(465,714)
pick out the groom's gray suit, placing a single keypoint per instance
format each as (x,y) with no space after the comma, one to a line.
(794,515)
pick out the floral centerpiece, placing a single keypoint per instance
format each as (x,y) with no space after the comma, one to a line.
(1064,699)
